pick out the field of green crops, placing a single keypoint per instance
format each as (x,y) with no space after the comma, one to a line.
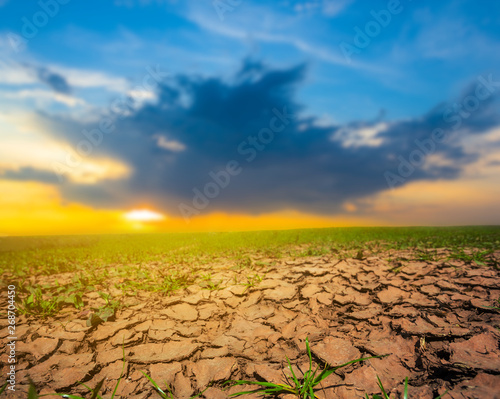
(163,263)
(60,276)
(56,254)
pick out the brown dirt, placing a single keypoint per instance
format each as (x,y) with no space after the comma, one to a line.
(429,317)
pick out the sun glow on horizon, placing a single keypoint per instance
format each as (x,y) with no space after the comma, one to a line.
(144,215)
(34,208)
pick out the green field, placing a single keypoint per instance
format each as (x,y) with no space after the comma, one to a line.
(164,263)
(96,277)
(56,254)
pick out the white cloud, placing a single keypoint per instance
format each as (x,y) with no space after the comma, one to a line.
(360,137)
(251,25)
(332,8)
(44,97)
(172,145)
(87,78)
(17,74)
(266,36)
(329,8)
(488,145)
(24,145)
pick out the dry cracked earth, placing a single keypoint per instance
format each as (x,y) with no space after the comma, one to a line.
(429,318)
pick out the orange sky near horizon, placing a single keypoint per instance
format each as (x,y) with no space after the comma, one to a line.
(37,209)
(33,208)
(273,119)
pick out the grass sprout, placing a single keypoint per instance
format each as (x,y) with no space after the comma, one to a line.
(301,387)
(495,307)
(386,396)
(252,281)
(4,387)
(169,394)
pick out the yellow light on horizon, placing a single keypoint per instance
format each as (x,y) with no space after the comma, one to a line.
(144,215)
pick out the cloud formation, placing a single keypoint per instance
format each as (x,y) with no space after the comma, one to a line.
(54,80)
(176,145)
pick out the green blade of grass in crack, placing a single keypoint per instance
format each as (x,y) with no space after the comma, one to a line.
(311,393)
(32,394)
(248,392)
(201,393)
(309,377)
(95,391)
(303,388)
(382,388)
(116,387)
(313,375)
(324,373)
(309,353)
(266,391)
(385,396)
(4,387)
(164,395)
(169,390)
(160,391)
(261,383)
(327,371)
(295,380)
(287,377)
(123,370)
(269,388)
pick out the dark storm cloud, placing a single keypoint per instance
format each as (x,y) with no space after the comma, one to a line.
(56,81)
(204,121)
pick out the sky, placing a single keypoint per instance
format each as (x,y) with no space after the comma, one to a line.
(216,115)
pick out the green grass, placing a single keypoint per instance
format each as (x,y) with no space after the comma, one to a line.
(495,307)
(384,393)
(105,312)
(168,394)
(303,387)
(28,256)
(252,281)
(4,387)
(36,303)
(166,263)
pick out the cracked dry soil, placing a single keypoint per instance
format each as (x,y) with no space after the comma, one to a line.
(430,318)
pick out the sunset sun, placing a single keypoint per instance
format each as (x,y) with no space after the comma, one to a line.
(144,215)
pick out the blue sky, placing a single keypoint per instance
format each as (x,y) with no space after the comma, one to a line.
(425,54)
(224,66)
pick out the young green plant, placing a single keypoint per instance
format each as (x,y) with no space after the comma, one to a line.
(303,387)
(384,393)
(169,394)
